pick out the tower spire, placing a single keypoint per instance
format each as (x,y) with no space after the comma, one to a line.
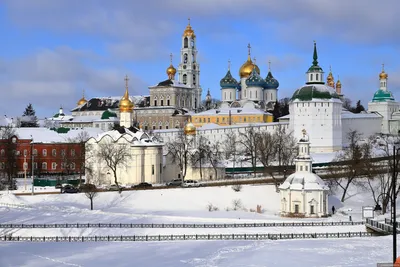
(229,64)
(383,67)
(315,56)
(269,65)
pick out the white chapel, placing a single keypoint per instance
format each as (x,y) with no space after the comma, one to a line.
(304,193)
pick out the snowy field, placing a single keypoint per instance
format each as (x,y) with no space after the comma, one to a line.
(182,206)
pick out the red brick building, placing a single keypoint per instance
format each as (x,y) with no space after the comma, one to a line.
(49,157)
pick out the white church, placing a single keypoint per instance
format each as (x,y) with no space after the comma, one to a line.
(304,193)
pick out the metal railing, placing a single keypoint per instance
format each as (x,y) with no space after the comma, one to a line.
(182,237)
(382,226)
(176,225)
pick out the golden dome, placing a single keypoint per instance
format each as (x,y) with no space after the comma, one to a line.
(247,68)
(82,100)
(125,104)
(338,84)
(383,75)
(171,70)
(189,129)
(188,32)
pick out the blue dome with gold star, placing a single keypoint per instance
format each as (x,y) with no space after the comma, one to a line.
(255,79)
(271,82)
(228,81)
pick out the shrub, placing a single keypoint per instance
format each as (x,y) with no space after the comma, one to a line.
(237,204)
(211,207)
(237,187)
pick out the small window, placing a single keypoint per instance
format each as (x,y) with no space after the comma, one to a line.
(73,152)
(44,165)
(316,77)
(166,127)
(208,119)
(53,165)
(44,152)
(25,152)
(160,168)
(63,152)
(301,168)
(162,102)
(35,165)
(311,77)
(62,165)
(168,102)
(160,127)
(155,103)
(312,209)
(54,152)
(154,127)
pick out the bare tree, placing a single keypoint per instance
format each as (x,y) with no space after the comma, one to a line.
(266,152)
(352,165)
(178,150)
(199,154)
(230,147)
(8,154)
(91,192)
(249,142)
(214,156)
(115,156)
(285,147)
(380,174)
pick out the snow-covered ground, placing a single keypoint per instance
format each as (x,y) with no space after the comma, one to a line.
(183,206)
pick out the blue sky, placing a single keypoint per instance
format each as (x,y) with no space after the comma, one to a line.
(53,49)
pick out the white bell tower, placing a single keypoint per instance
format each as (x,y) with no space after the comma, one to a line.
(189,68)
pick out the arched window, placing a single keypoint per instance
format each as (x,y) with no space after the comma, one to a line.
(44,152)
(316,77)
(194,79)
(230,95)
(44,166)
(185,42)
(311,77)
(185,58)
(184,79)
(54,152)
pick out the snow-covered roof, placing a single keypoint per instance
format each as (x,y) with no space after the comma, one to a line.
(170,83)
(45,135)
(350,115)
(304,180)
(233,111)
(138,137)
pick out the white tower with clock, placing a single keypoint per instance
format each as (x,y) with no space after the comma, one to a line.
(189,69)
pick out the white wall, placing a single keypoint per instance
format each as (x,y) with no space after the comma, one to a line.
(366,126)
(317,198)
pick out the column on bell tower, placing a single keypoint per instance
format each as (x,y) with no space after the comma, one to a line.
(189,68)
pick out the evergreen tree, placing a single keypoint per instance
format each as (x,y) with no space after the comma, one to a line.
(359,107)
(284,106)
(29,118)
(277,111)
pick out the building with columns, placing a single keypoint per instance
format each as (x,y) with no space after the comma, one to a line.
(304,193)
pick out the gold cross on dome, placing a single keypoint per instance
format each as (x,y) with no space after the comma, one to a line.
(170,58)
(229,64)
(383,67)
(189,21)
(249,47)
(126,81)
(269,65)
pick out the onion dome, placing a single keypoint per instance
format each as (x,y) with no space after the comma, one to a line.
(339,84)
(125,104)
(228,81)
(189,129)
(247,67)
(314,91)
(383,74)
(271,82)
(82,100)
(255,79)
(171,71)
(188,32)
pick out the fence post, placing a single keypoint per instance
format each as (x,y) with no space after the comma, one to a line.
(208,236)
(184,237)
(77,225)
(108,238)
(95,238)
(69,239)
(82,238)
(99,225)
(196,236)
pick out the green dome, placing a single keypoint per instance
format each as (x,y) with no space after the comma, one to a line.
(255,79)
(314,91)
(108,114)
(382,95)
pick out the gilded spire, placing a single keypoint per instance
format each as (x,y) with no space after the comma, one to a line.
(338,86)
(126,105)
(383,74)
(82,100)
(171,71)
(315,56)
(188,32)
